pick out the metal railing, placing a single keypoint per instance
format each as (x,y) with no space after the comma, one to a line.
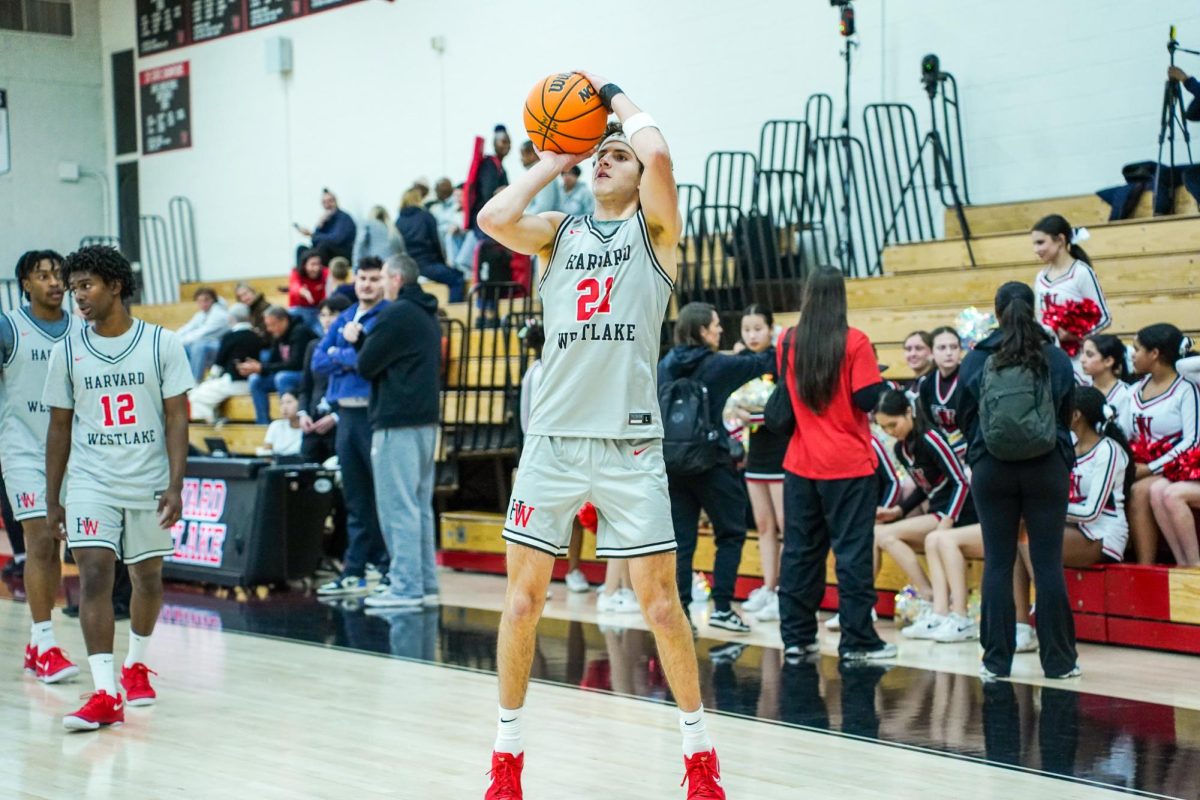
(183,238)
(160,277)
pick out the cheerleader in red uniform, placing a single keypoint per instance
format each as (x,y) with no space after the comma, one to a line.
(1068,296)
(1166,447)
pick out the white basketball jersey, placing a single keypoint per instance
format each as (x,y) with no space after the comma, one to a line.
(116,387)
(23,416)
(603,298)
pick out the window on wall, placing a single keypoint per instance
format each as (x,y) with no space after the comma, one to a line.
(37,16)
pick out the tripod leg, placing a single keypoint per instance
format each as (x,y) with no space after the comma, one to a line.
(940,157)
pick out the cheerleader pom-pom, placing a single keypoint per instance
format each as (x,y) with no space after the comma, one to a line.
(587,517)
(1184,468)
(907,605)
(973,326)
(1146,451)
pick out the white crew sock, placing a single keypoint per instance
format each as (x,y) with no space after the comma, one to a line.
(508,732)
(102,673)
(695,735)
(137,649)
(41,634)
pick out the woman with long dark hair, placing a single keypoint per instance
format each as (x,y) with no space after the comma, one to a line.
(1067,278)
(1019,363)
(829,486)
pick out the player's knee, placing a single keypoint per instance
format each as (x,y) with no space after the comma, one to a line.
(661,610)
(524,605)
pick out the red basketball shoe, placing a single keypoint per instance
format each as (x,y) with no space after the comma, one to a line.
(506,777)
(31,659)
(135,681)
(54,666)
(101,708)
(703,776)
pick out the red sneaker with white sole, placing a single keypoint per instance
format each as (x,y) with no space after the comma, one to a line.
(101,708)
(703,777)
(31,659)
(506,777)
(135,681)
(54,666)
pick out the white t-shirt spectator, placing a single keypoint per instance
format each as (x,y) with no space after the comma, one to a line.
(209,324)
(283,438)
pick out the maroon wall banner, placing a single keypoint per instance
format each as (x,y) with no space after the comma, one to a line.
(169,24)
(166,108)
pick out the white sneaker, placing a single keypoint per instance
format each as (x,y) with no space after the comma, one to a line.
(834,623)
(621,601)
(956,628)
(768,611)
(756,599)
(1027,641)
(576,582)
(926,626)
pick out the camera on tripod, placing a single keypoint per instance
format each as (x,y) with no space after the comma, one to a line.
(846,23)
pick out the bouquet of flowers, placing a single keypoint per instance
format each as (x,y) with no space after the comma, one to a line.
(1076,317)
(974,325)
(753,395)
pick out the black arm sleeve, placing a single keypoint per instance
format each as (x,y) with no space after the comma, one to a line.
(866,398)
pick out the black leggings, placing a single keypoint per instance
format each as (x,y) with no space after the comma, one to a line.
(721,493)
(1006,492)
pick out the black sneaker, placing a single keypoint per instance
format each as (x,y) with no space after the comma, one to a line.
(728,620)
(13,569)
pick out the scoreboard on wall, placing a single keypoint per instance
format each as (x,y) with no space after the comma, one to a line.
(168,24)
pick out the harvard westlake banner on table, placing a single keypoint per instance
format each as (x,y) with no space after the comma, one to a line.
(166,115)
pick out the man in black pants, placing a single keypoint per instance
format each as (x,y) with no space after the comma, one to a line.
(718,490)
(1035,490)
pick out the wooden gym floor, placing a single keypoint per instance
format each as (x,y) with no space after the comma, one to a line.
(289,697)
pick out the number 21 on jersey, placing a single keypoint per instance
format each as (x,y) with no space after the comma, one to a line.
(118,410)
(592,300)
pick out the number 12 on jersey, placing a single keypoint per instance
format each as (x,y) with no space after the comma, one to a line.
(591,302)
(118,410)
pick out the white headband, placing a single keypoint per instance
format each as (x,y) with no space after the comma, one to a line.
(615,136)
(1080,235)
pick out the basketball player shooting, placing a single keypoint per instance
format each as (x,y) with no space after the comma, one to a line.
(595,432)
(116,389)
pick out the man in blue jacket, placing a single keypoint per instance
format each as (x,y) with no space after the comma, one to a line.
(335,232)
(350,393)
(401,355)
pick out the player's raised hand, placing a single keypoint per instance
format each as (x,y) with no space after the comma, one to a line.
(564,161)
(170,508)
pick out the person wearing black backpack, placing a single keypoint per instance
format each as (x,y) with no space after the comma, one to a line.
(694,381)
(1017,399)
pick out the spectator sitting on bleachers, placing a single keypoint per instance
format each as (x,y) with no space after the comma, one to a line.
(317,417)
(337,357)
(576,198)
(377,237)
(252,299)
(284,365)
(447,210)
(420,232)
(201,335)
(306,287)
(550,197)
(283,434)
(240,342)
(335,232)
(341,282)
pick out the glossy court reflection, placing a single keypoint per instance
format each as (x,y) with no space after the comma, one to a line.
(1131,745)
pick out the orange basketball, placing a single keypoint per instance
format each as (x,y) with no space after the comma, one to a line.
(563,114)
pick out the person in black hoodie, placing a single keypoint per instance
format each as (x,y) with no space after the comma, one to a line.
(284,365)
(1034,490)
(401,356)
(718,490)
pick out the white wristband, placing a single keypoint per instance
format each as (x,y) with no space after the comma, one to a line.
(635,123)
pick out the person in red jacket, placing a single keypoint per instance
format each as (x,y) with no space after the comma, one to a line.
(306,288)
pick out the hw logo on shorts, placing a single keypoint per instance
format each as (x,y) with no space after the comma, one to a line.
(26,500)
(520,513)
(87,527)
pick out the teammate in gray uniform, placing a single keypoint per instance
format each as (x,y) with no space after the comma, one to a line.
(595,432)
(118,417)
(27,335)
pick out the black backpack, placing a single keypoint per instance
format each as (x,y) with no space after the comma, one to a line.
(692,437)
(1016,411)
